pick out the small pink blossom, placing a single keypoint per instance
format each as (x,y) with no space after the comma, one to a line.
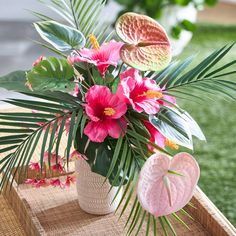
(34,166)
(75,155)
(105,111)
(141,93)
(53,159)
(102,56)
(69,180)
(58,167)
(39,60)
(56,183)
(31,181)
(37,183)
(75,91)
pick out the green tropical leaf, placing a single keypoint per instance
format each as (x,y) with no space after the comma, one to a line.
(14,81)
(177,127)
(26,140)
(203,78)
(84,15)
(52,74)
(62,37)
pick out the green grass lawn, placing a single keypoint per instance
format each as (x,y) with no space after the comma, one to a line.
(217,157)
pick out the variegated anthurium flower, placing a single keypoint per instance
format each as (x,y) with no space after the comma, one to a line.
(147,46)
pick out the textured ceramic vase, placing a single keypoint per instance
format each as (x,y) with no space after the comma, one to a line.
(94,196)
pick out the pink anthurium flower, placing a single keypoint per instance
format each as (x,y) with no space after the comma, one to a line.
(105,111)
(141,93)
(101,56)
(166,185)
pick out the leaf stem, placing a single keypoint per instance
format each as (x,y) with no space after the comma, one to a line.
(73,13)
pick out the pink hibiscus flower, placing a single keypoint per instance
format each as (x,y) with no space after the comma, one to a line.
(101,56)
(157,138)
(168,98)
(141,93)
(105,111)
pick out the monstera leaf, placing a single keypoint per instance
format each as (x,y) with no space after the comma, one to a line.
(166,185)
(147,45)
(62,37)
(52,74)
(177,126)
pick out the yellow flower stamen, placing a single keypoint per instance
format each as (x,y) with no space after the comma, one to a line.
(108,111)
(171,144)
(94,42)
(153,94)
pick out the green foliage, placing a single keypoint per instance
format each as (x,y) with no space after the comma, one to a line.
(84,15)
(14,81)
(178,126)
(34,126)
(52,74)
(62,37)
(204,78)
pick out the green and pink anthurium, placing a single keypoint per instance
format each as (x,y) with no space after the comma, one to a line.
(147,46)
(105,111)
(167,184)
(101,56)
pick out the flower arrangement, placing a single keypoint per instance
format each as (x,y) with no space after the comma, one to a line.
(114,98)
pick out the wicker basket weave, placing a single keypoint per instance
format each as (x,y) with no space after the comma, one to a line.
(93,194)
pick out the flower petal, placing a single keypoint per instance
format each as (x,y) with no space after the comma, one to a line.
(116,127)
(96,131)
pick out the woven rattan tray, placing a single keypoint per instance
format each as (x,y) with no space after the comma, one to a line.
(53,211)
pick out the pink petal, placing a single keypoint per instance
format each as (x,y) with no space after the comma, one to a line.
(96,131)
(98,94)
(113,48)
(116,127)
(150,106)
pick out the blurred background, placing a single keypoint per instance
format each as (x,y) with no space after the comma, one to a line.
(195,27)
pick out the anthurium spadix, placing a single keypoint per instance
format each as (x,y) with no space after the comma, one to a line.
(147,46)
(167,184)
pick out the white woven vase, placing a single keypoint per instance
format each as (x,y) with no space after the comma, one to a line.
(92,193)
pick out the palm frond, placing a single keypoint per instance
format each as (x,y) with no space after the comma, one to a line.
(81,14)
(204,78)
(49,119)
